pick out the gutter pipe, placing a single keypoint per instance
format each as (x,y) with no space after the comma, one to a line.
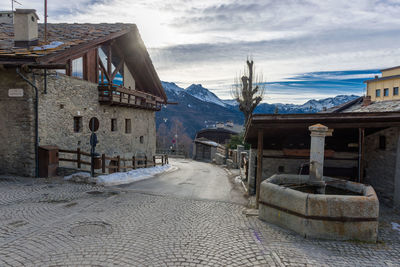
(36,120)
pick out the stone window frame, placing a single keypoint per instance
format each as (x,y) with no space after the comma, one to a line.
(114,125)
(78,124)
(128,126)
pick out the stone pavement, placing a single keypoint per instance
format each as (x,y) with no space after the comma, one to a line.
(57,223)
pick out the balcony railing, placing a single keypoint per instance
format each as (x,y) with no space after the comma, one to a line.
(121,96)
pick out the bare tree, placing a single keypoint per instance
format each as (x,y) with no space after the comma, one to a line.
(244,92)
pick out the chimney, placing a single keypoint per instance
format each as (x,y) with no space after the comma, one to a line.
(25,27)
(366,101)
(376,76)
(229,123)
(220,125)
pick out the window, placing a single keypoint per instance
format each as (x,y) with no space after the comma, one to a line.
(114,127)
(378,93)
(395,90)
(128,126)
(141,139)
(77,124)
(386,92)
(382,142)
(77,67)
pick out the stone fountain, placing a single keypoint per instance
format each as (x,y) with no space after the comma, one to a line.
(318,206)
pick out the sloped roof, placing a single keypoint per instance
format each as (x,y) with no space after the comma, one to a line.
(70,34)
(73,38)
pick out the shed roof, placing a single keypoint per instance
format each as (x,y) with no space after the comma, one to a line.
(280,125)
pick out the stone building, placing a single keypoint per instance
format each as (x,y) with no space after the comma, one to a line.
(364,147)
(52,83)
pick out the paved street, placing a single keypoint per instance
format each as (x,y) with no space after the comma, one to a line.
(194,180)
(48,223)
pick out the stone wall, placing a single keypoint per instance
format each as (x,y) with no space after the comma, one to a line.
(17,126)
(66,98)
(380,164)
(69,97)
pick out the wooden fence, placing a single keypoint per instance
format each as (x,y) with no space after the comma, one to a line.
(113,164)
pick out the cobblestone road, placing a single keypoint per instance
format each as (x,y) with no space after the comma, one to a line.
(57,223)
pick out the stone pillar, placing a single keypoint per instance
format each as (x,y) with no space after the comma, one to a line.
(317,149)
(239,150)
(252,171)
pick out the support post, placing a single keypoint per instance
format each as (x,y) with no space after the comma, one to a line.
(118,163)
(103,163)
(260,149)
(133,163)
(361,135)
(78,157)
(145,161)
(154,161)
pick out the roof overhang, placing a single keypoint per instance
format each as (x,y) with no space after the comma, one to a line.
(277,124)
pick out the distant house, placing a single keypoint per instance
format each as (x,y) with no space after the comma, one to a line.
(207,140)
(204,149)
(49,90)
(365,145)
(221,132)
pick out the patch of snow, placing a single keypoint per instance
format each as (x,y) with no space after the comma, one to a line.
(396,226)
(199,92)
(230,102)
(238,180)
(77,175)
(132,176)
(54,44)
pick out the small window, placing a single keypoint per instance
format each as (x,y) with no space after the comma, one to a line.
(141,139)
(395,90)
(386,92)
(77,124)
(114,127)
(382,142)
(378,93)
(281,168)
(128,126)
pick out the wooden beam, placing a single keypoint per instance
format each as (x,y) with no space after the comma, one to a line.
(361,138)
(103,69)
(118,68)
(260,148)
(109,61)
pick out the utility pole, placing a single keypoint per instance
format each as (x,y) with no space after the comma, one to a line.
(45,21)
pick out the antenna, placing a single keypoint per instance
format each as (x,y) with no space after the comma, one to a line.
(12,4)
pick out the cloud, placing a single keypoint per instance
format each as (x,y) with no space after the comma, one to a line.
(207,41)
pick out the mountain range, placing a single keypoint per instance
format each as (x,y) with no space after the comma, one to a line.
(199,108)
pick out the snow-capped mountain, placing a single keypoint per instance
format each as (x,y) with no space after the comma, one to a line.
(230,102)
(199,92)
(197,105)
(171,88)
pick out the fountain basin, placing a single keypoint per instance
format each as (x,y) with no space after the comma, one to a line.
(338,216)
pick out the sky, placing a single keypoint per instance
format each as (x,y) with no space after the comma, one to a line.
(303,48)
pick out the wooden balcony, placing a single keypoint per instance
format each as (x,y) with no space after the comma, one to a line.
(121,96)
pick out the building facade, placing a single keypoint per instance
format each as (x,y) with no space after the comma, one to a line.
(82,71)
(385,87)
